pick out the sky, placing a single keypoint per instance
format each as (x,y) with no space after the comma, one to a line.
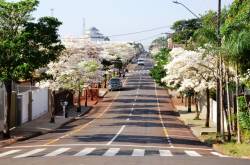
(113,17)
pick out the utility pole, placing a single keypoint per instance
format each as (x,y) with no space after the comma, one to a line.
(218,73)
(83,27)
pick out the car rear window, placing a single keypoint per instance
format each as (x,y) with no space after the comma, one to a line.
(114,81)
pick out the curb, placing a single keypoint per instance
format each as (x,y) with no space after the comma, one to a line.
(214,146)
(39,133)
(104,94)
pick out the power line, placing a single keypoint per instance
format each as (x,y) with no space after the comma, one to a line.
(131,33)
(150,37)
(143,31)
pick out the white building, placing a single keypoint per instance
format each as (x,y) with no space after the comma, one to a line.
(93,34)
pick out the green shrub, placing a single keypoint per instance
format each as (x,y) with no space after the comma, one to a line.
(244,118)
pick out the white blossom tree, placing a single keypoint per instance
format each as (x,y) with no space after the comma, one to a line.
(76,68)
(192,72)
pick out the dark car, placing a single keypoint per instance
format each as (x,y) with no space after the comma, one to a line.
(114,84)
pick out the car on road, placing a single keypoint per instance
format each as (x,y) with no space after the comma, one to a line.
(140,62)
(114,84)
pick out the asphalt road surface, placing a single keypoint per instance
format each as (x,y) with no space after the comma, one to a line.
(136,125)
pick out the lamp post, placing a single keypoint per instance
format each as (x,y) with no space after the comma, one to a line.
(179,3)
(64,104)
(219,90)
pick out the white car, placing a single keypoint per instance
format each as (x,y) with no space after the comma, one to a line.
(140,62)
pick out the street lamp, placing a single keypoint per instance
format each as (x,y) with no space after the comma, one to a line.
(179,3)
(64,104)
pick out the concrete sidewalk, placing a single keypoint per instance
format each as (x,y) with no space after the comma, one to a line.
(41,126)
(197,126)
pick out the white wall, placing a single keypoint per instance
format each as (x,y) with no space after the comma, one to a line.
(40,102)
(213,113)
(25,106)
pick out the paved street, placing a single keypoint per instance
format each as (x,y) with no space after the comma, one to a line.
(136,125)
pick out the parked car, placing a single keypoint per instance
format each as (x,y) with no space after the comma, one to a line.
(114,84)
(140,62)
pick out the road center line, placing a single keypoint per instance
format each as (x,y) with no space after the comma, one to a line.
(118,133)
(87,124)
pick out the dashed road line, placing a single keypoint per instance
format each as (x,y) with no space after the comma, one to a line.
(117,134)
(85,125)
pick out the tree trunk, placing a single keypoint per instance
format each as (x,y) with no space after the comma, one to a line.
(228,126)
(218,100)
(8,88)
(91,94)
(105,80)
(196,109)
(86,98)
(222,96)
(52,117)
(79,100)
(208,108)
(229,120)
(237,106)
(189,104)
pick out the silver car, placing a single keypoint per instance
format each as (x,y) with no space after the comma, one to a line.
(114,84)
(140,62)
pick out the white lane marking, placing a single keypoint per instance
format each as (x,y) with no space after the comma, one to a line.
(138,152)
(165,153)
(9,153)
(130,114)
(162,123)
(30,153)
(218,154)
(118,133)
(113,145)
(192,153)
(57,152)
(85,125)
(85,152)
(111,152)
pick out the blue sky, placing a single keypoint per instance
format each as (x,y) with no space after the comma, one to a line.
(122,16)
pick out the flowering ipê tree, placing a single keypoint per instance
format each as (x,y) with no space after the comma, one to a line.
(76,68)
(192,72)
